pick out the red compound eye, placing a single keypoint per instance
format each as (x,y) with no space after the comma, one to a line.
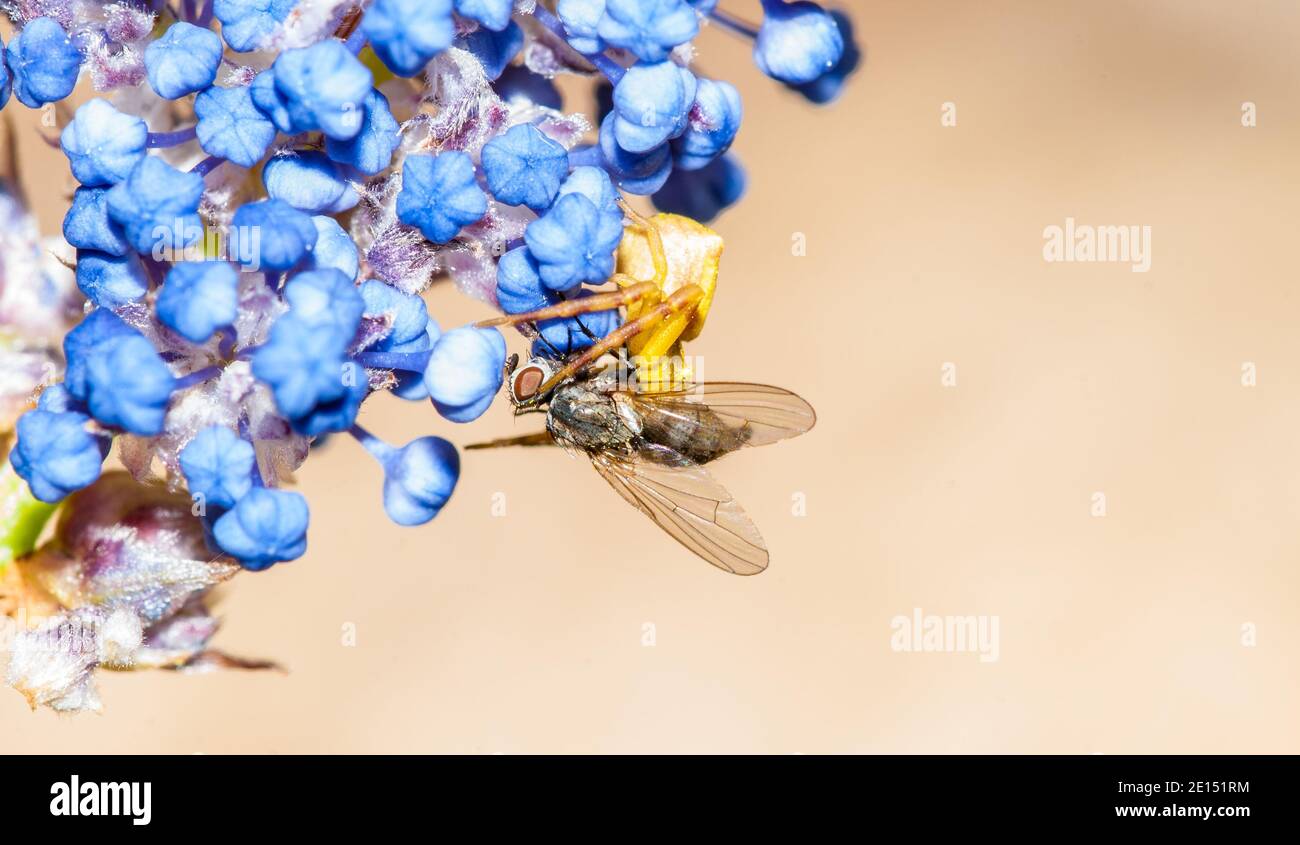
(526,382)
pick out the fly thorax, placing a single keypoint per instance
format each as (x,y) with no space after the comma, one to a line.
(586,419)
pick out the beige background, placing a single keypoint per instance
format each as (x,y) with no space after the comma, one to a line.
(1118,634)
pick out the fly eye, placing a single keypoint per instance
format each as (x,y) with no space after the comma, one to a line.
(527,381)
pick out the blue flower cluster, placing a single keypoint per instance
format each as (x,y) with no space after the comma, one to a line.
(253,260)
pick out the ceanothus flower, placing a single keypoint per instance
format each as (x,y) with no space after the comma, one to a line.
(636,173)
(322,88)
(88,226)
(54,452)
(183,61)
(218,466)
(798,42)
(524,167)
(703,194)
(248,24)
(465,371)
(99,327)
(230,126)
(407,315)
(310,182)
(519,283)
(649,29)
(110,281)
(6,80)
(407,34)
(126,385)
(652,103)
(326,301)
(440,195)
(570,334)
(199,297)
(44,63)
(826,87)
(493,14)
(582,22)
(102,144)
(334,249)
(714,122)
(574,242)
(155,202)
(287,234)
(419,479)
(371,150)
(265,527)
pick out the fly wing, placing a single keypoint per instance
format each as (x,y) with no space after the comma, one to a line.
(687,502)
(752,414)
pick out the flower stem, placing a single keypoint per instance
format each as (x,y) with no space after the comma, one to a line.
(413,362)
(22,517)
(156,140)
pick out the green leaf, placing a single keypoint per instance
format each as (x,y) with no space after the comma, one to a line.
(22,517)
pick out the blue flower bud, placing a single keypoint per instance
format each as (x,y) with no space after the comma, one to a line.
(521,84)
(87,224)
(594,184)
(218,465)
(828,85)
(494,50)
(798,42)
(127,384)
(408,314)
(407,34)
(110,281)
(265,527)
(493,14)
(649,29)
(371,151)
(519,284)
(153,202)
(310,182)
(440,195)
(326,300)
(651,105)
(569,334)
(98,328)
(44,63)
(270,102)
(336,414)
(55,454)
(102,144)
(574,242)
(199,297)
(581,20)
(465,372)
(303,367)
(183,61)
(524,167)
(636,173)
(6,80)
(703,194)
(323,87)
(230,126)
(334,249)
(286,234)
(248,24)
(419,479)
(715,120)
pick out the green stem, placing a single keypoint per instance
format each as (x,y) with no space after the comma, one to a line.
(22,517)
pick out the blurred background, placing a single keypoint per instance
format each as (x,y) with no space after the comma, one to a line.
(974,400)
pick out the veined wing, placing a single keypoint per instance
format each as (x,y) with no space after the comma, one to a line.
(749,414)
(687,502)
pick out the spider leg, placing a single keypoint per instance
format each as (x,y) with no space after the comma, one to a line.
(573,307)
(681,302)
